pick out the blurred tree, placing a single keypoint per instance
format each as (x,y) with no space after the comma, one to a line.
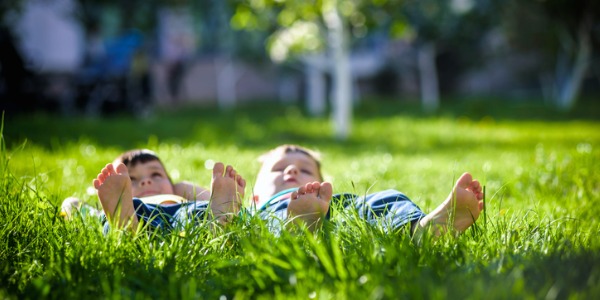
(313,27)
(107,19)
(562,34)
(214,34)
(435,26)
(8,6)
(129,14)
(310,27)
(229,46)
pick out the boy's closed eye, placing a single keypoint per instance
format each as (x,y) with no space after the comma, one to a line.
(278,168)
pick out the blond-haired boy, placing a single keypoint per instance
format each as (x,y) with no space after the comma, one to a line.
(290,185)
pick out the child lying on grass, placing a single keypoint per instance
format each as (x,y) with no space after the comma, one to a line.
(290,186)
(137,186)
(147,160)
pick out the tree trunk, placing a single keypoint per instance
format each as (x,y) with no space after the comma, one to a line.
(341,89)
(570,87)
(315,84)
(227,77)
(428,78)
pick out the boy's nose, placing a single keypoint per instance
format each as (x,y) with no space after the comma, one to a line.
(291,169)
(146,181)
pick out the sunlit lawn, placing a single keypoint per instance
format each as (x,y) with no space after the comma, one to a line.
(537,239)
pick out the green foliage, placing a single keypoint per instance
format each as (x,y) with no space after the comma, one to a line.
(299,27)
(537,239)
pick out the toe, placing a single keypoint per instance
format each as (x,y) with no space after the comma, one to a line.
(326,191)
(301,190)
(218,169)
(464,181)
(316,185)
(121,169)
(476,186)
(228,170)
(110,168)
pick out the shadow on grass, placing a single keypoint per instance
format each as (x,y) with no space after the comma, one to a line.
(261,125)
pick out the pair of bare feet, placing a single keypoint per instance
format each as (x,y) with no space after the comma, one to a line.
(308,205)
(115,194)
(455,214)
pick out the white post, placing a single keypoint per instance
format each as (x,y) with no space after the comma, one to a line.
(570,88)
(428,77)
(342,93)
(227,77)
(315,85)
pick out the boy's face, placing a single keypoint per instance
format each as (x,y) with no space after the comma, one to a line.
(149,179)
(281,171)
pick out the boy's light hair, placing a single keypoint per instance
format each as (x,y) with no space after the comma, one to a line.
(291,148)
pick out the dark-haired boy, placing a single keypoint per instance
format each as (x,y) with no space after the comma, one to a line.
(137,186)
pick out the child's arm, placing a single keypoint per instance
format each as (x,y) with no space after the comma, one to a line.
(191,191)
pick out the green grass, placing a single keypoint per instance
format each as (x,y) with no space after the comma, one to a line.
(537,239)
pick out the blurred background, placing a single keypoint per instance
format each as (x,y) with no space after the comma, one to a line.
(96,57)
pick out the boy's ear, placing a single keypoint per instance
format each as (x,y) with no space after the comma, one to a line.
(255,198)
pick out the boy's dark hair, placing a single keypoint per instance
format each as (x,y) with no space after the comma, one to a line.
(137,156)
(133,157)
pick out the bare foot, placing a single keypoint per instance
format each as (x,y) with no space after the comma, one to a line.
(227,192)
(460,210)
(115,193)
(310,204)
